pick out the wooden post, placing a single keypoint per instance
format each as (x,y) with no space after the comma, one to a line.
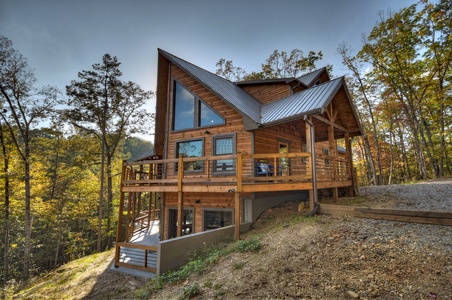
(237,216)
(162,224)
(180,196)
(120,214)
(129,208)
(308,149)
(239,175)
(349,158)
(333,154)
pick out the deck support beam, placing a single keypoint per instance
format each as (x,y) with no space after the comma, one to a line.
(348,156)
(333,154)
(237,216)
(237,200)
(180,196)
(310,147)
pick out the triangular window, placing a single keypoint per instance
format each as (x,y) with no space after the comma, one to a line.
(190,112)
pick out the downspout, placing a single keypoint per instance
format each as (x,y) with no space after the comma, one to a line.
(313,168)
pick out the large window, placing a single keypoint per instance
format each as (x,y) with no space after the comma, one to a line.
(190,112)
(192,148)
(187,222)
(224,145)
(214,219)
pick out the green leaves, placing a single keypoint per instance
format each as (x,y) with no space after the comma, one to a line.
(279,64)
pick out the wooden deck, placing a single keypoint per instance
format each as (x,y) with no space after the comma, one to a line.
(286,172)
(140,252)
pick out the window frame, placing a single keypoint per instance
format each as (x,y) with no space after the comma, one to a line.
(197,101)
(327,157)
(231,136)
(176,154)
(204,210)
(170,232)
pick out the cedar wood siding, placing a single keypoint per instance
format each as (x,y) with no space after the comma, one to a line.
(266,139)
(267,93)
(233,124)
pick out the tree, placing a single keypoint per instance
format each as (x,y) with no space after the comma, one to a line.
(22,108)
(354,65)
(6,225)
(109,108)
(279,64)
(410,52)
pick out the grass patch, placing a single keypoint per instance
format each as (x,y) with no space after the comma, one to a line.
(190,292)
(200,263)
(250,245)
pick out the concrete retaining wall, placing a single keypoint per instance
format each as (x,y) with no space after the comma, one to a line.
(172,254)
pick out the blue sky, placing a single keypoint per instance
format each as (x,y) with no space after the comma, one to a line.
(61,37)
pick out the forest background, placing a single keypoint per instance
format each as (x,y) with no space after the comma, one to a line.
(61,155)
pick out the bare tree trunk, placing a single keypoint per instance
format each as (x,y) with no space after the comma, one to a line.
(351,64)
(101,198)
(60,233)
(28,217)
(102,172)
(55,172)
(109,198)
(370,161)
(391,154)
(7,208)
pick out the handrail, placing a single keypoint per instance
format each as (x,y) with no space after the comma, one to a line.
(224,169)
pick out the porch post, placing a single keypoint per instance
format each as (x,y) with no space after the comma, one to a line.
(239,175)
(333,153)
(180,196)
(120,214)
(310,147)
(348,156)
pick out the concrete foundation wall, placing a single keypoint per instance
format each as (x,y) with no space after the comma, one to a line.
(172,254)
(263,201)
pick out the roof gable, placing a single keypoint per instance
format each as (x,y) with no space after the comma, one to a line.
(311,101)
(310,78)
(236,97)
(308,102)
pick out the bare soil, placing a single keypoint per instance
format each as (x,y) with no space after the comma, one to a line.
(330,257)
(324,257)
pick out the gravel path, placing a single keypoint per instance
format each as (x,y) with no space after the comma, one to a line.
(431,195)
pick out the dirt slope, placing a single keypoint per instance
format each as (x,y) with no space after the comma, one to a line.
(332,258)
(319,258)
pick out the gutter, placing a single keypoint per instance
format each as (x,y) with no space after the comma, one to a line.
(313,168)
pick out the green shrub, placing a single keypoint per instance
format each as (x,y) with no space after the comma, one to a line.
(190,291)
(251,245)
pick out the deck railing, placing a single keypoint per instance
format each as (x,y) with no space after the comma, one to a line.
(254,168)
(223,170)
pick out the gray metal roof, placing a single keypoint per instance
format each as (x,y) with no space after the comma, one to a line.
(308,79)
(310,101)
(313,100)
(244,103)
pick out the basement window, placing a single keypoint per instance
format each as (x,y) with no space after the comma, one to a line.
(214,219)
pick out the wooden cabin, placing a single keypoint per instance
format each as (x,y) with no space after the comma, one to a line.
(226,151)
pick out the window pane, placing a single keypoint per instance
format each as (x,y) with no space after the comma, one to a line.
(223,146)
(191,149)
(184,108)
(217,219)
(208,116)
